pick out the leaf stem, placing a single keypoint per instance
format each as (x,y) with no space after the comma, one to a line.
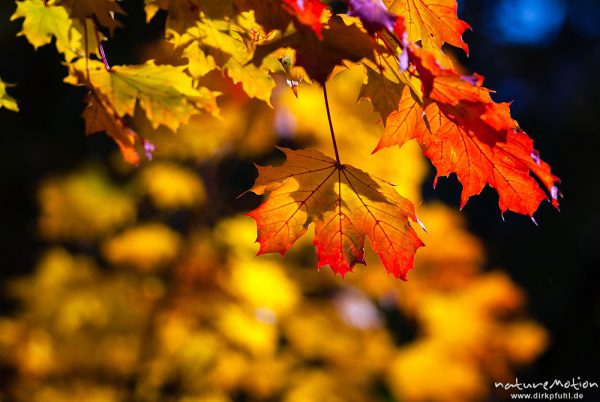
(396,40)
(335,148)
(101,49)
(87,51)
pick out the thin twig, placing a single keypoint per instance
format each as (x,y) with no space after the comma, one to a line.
(87,51)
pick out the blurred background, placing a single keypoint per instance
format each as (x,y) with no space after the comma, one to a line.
(140,284)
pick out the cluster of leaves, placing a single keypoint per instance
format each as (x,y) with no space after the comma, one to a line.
(129,302)
(408,79)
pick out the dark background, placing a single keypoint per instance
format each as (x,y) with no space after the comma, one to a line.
(543,54)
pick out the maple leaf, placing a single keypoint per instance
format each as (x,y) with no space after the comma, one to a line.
(215,36)
(345,204)
(6,100)
(43,22)
(467,133)
(404,123)
(256,82)
(164,92)
(319,57)
(478,160)
(102,11)
(432,22)
(220,43)
(383,93)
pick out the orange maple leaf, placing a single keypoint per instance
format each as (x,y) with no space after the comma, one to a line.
(463,131)
(345,204)
(433,22)
(404,123)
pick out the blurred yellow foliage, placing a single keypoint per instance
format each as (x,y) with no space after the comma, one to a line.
(244,328)
(219,324)
(264,286)
(424,371)
(144,247)
(84,205)
(171,186)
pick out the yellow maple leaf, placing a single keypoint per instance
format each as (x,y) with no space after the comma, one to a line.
(164,92)
(73,37)
(225,44)
(42,22)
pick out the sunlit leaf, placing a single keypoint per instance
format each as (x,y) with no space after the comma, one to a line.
(164,92)
(43,22)
(432,22)
(345,204)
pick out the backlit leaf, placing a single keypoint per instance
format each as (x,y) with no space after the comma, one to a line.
(41,23)
(164,92)
(403,123)
(467,133)
(433,22)
(345,204)
(220,43)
